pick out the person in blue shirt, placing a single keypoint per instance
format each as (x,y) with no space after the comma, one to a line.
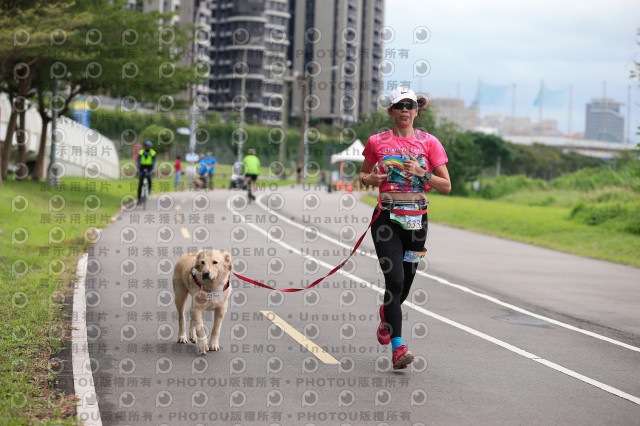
(146,165)
(211,161)
(203,171)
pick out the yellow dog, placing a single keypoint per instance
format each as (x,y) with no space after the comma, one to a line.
(205,275)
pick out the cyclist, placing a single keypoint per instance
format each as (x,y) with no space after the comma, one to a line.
(203,171)
(146,165)
(211,161)
(251,165)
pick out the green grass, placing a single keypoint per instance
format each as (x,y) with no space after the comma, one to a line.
(32,323)
(546,224)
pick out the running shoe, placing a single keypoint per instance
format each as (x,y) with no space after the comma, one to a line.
(401,357)
(384,338)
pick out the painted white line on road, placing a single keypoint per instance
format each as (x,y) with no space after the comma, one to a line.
(306,343)
(474,332)
(529,355)
(88,412)
(185,233)
(460,287)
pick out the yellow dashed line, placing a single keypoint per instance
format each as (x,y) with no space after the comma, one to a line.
(300,338)
(185,233)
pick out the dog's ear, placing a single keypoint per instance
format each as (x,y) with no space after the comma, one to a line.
(196,261)
(227,261)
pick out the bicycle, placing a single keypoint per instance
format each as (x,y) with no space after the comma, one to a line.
(248,182)
(144,193)
(250,196)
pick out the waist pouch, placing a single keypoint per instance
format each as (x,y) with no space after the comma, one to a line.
(407,214)
(404,208)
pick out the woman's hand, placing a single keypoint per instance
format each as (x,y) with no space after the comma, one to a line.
(412,167)
(368,177)
(373,179)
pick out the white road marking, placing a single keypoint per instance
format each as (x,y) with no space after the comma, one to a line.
(88,412)
(465,289)
(474,332)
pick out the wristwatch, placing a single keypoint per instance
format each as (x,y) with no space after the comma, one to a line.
(427,175)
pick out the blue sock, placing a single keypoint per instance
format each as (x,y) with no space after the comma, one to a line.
(395,342)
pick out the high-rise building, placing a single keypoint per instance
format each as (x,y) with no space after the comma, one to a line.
(336,49)
(604,121)
(262,52)
(249,54)
(191,12)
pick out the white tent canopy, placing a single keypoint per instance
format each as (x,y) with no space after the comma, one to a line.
(353,153)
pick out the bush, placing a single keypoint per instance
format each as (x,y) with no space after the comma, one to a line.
(634,226)
(592,178)
(596,214)
(545,201)
(503,185)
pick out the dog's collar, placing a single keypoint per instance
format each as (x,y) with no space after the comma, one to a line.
(199,284)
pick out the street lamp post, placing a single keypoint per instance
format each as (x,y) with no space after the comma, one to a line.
(303,154)
(243,90)
(284,118)
(193,121)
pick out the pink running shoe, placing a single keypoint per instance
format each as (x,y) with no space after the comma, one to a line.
(401,357)
(384,338)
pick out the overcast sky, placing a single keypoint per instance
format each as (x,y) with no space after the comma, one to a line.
(564,43)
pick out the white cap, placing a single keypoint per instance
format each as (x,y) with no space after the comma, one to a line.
(400,93)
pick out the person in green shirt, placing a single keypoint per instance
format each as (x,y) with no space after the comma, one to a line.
(146,165)
(251,166)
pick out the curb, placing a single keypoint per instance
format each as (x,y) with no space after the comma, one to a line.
(88,412)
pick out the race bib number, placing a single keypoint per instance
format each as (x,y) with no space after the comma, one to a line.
(408,222)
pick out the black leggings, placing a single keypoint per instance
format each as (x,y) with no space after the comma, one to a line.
(391,242)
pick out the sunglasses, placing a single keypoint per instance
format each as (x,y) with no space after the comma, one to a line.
(402,105)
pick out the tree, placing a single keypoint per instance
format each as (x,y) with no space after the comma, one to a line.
(124,56)
(26,29)
(493,149)
(465,157)
(101,47)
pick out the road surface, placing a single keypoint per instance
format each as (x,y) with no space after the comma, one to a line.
(503,332)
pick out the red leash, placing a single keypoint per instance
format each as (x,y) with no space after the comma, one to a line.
(334,270)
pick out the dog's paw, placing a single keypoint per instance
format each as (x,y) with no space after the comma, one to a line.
(182,339)
(214,347)
(202,347)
